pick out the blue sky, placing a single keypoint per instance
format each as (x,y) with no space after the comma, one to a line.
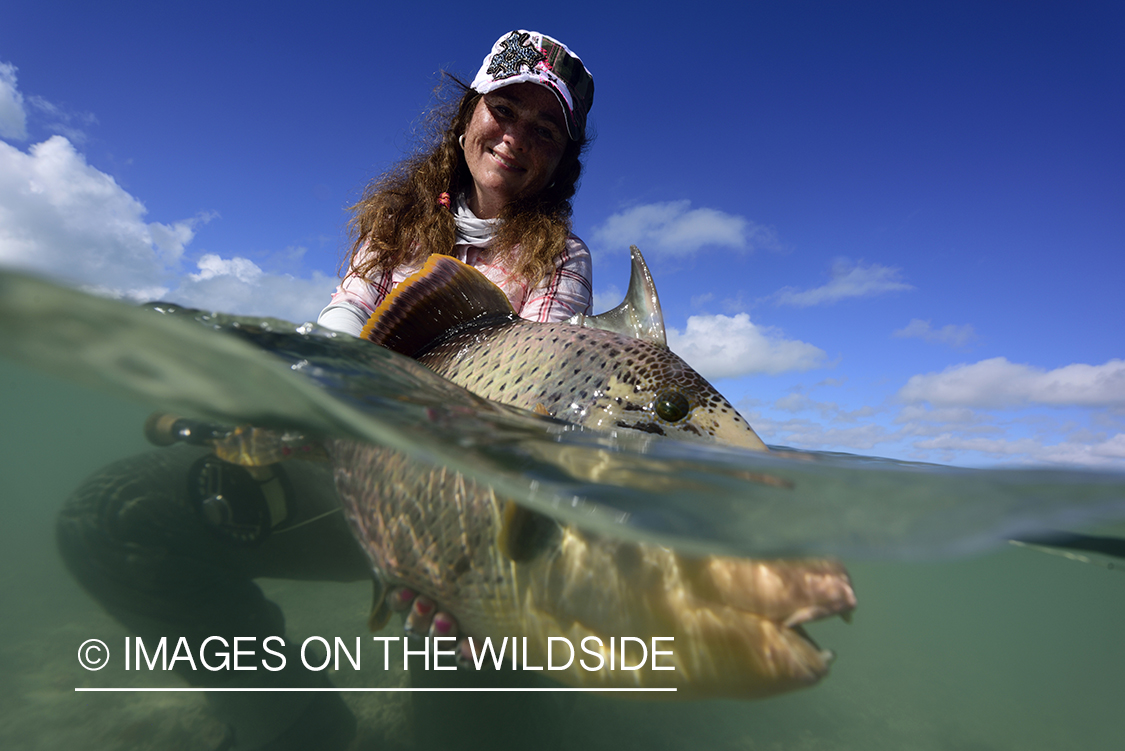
(884,228)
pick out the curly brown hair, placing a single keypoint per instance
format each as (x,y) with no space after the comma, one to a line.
(399,220)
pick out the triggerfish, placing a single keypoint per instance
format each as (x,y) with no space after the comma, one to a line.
(504,570)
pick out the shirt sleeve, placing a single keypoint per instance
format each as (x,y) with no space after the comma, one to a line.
(353,303)
(569,290)
(343,317)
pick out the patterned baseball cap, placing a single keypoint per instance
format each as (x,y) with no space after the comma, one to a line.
(530,57)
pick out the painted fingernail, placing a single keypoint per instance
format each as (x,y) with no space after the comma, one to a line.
(442,625)
(422,607)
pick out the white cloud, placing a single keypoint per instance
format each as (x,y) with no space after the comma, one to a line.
(960,435)
(607,299)
(61,120)
(1100,453)
(944,415)
(955,336)
(721,346)
(999,383)
(798,402)
(63,218)
(810,435)
(674,228)
(848,280)
(212,266)
(13,116)
(239,286)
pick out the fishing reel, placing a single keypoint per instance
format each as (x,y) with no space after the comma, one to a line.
(239,504)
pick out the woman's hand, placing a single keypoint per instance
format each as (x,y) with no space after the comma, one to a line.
(424,618)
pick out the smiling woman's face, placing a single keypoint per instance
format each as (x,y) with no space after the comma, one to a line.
(513,144)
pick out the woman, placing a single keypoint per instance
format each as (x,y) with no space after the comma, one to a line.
(170,542)
(493,191)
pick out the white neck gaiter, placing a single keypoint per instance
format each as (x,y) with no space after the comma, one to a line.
(472,230)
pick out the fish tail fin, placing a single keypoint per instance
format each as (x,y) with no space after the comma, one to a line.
(444,295)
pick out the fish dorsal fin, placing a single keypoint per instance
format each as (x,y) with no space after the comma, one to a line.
(444,295)
(639,315)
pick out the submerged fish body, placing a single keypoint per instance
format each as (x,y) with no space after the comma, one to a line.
(734,623)
(505,571)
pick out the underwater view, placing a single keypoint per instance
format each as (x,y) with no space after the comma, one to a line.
(959,641)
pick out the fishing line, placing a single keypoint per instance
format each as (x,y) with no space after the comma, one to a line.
(1068,555)
(307,521)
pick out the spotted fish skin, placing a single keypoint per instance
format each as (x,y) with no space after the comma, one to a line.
(589,376)
(735,623)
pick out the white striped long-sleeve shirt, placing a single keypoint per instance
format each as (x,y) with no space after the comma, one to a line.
(566,291)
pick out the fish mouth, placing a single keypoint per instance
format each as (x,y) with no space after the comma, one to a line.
(795,626)
(737,626)
(769,604)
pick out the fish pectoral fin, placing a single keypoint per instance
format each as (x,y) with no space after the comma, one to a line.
(541,409)
(524,533)
(380,609)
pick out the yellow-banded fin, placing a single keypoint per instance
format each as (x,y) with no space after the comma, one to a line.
(445,295)
(524,533)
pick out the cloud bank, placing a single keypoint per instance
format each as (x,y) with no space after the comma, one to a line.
(998,383)
(64,219)
(240,286)
(957,435)
(61,217)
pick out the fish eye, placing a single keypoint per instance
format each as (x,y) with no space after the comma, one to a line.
(672,406)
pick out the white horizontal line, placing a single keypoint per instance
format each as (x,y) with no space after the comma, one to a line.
(192,689)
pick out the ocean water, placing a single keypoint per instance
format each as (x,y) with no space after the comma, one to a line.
(959,641)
